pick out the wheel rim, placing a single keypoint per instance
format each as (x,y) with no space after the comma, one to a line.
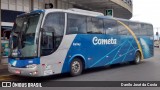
(76,67)
(137,58)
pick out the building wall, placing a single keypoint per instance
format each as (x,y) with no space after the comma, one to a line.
(125,3)
(25,5)
(16,5)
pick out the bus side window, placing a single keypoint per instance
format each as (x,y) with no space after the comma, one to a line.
(110,27)
(53,33)
(143,30)
(149,30)
(76,24)
(122,30)
(89,25)
(47,43)
(95,25)
(135,27)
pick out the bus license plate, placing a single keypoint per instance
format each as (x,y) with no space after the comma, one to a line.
(47,72)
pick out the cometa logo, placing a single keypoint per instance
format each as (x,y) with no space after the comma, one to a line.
(97,41)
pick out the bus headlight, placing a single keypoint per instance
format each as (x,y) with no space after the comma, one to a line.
(31,66)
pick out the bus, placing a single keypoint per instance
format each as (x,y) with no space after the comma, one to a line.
(54,41)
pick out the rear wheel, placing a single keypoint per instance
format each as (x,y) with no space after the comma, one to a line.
(137,58)
(76,67)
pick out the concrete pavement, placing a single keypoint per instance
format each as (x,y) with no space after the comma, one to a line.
(3,66)
(4,60)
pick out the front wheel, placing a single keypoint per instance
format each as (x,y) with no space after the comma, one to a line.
(76,67)
(137,58)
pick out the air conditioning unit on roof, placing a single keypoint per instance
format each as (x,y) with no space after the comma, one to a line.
(86,11)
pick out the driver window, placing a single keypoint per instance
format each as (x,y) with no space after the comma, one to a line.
(47,43)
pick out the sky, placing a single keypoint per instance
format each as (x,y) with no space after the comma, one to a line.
(147,11)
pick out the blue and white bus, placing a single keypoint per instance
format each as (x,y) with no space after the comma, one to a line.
(54,41)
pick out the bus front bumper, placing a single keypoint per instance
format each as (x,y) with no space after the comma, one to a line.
(32,72)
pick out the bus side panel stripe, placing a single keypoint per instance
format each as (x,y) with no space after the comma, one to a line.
(133,34)
(107,54)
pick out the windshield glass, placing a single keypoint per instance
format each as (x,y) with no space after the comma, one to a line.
(23,38)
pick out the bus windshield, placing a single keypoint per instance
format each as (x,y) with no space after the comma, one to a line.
(23,38)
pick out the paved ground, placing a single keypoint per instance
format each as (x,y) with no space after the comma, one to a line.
(3,66)
(149,70)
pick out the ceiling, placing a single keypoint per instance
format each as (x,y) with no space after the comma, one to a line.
(102,5)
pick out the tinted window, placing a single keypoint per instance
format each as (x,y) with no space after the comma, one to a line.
(76,24)
(122,29)
(143,29)
(110,26)
(135,27)
(149,30)
(55,22)
(95,25)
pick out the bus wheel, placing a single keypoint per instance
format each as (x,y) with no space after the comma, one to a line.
(76,67)
(137,58)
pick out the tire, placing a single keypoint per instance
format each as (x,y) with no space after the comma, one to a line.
(137,58)
(76,67)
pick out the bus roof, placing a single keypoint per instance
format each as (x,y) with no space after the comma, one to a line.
(80,12)
(75,11)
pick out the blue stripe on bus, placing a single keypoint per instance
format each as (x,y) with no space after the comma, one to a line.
(100,55)
(119,57)
(127,51)
(107,54)
(23,63)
